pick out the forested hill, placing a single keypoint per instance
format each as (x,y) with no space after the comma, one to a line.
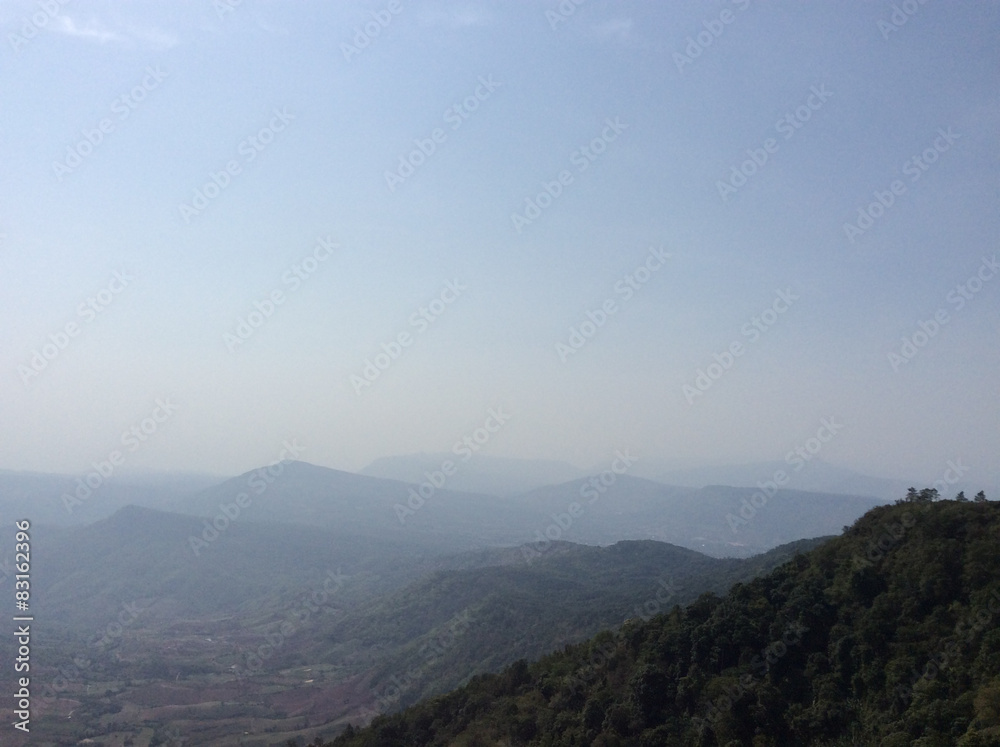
(887,635)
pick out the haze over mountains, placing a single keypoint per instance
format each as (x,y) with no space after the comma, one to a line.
(52,498)
(384,484)
(606,507)
(820,476)
(351,579)
(486,474)
(499,374)
(886,635)
(294,599)
(505,476)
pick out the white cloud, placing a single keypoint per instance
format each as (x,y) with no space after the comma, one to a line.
(93,31)
(96,31)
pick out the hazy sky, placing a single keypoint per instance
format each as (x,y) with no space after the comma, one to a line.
(175,162)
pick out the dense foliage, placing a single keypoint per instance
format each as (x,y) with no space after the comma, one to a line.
(887,635)
(438,632)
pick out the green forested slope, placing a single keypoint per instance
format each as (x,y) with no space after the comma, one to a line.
(438,631)
(888,635)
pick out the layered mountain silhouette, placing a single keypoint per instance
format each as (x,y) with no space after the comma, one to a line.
(887,635)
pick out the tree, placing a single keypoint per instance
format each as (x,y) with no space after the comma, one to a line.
(980,497)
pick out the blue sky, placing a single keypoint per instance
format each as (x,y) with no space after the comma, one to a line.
(309,132)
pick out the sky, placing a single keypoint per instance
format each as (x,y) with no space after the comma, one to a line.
(705,232)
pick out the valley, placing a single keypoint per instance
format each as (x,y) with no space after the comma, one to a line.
(314,607)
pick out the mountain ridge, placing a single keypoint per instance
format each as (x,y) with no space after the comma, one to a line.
(888,634)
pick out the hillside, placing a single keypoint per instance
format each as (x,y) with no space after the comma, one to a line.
(297,628)
(887,635)
(163,562)
(514,611)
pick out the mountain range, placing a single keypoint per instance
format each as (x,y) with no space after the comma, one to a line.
(316,627)
(295,599)
(887,635)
